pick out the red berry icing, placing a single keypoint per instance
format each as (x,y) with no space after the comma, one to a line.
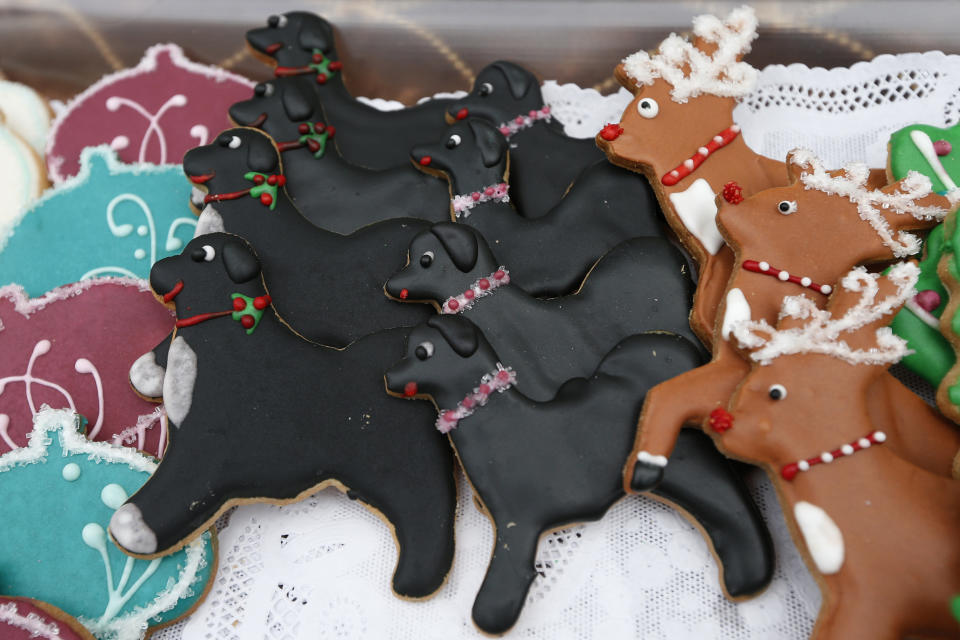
(733,193)
(469,294)
(928,299)
(258,179)
(318,57)
(942,147)
(484,389)
(247,322)
(321,78)
(484,284)
(266,199)
(239,304)
(336,65)
(404,293)
(261,302)
(499,274)
(475,195)
(304,128)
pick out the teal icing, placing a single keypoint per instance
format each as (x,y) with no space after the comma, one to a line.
(112,219)
(54,543)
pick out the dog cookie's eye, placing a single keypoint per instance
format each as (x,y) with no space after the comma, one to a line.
(648,108)
(234,142)
(426,259)
(453,141)
(206,253)
(263,90)
(277,22)
(424,350)
(777,391)
(786,207)
(485,89)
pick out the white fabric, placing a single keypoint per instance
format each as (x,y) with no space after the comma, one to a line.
(321,568)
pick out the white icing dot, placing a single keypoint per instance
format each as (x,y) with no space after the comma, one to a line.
(825,289)
(674,173)
(864,443)
(139,254)
(735,128)
(71,472)
(703,151)
(783,275)
(688,163)
(805,281)
(113,495)
(718,139)
(120,142)
(826,456)
(803,465)
(879,436)
(94,536)
(764,266)
(846,449)
(142,230)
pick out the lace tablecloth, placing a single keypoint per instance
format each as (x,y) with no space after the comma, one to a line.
(322,568)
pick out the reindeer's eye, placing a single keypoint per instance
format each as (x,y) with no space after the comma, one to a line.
(453,141)
(485,89)
(648,108)
(777,391)
(786,207)
(263,90)
(424,350)
(426,259)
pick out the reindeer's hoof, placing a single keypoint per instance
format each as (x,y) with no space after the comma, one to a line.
(146,376)
(131,532)
(647,472)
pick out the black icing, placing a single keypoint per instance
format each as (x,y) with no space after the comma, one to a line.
(460,243)
(367,136)
(548,255)
(540,465)
(327,287)
(329,191)
(273,415)
(239,262)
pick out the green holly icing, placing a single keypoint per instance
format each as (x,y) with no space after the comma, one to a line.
(258,190)
(322,67)
(955,607)
(950,245)
(906,156)
(932,355)
(248,310)
(316,142)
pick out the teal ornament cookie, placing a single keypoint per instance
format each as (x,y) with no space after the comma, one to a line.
(112,219)
(59,494)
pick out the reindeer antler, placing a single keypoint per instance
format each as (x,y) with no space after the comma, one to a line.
(851,184)
(822,334)
(719,74)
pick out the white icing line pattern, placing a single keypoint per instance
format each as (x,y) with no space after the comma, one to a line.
(925,147)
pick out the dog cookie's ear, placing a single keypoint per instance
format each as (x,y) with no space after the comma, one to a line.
(315,33)
(262,156)
(519,80)
(461,334)
(240,262)
(490,142)
(459,242)
(296,103)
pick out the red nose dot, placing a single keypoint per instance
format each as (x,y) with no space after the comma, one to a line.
(247,322)
(239,304)
(463,113)
(403,294)
(410,389)
(425,161)
(611,132)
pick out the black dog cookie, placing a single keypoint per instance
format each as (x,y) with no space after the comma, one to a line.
(301,43)
(544,160)
(537,466)
(259,414)
(548,255)
(328,190)
(640,285)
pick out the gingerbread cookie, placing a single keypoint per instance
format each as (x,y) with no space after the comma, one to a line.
(849,498)
(59,493)
(928,150)
(152,113)
(544,161)
(71,349)
(26,619)
(535,466)
(801,239)
(548,255)
(111,219)
(298,43)
(299,416)
(328,190)
(640,285)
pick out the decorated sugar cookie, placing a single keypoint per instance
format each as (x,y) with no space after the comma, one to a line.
(26,619)
(110,220)
(932,151)
(59,494)
(24,177)
(803,413)
(152,113)
(71,349)
(25,113)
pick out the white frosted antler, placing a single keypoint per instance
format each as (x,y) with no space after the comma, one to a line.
(719,74)
(821,333)
(852,184)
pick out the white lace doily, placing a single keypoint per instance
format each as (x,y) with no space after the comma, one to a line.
(322,568)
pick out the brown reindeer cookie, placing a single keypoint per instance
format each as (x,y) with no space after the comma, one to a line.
(801,239)
(850,499)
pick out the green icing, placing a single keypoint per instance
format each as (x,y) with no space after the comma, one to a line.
(264,187)
(904,155)
(319,140)
(248,310)
(322,67)
(951,240)
(955,607)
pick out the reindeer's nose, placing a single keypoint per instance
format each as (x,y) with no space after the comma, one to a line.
(611,132)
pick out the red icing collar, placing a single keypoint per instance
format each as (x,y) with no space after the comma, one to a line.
(690,165)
